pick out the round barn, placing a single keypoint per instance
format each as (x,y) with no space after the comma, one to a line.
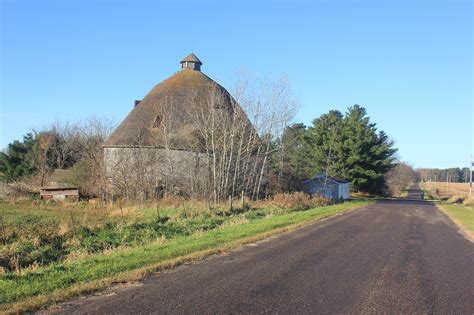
(162,143)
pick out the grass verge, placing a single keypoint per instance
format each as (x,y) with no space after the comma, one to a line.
(463,216)
(47,285)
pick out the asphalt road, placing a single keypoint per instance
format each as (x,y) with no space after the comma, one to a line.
(397,256)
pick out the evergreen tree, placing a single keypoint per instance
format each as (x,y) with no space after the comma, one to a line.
(18,160)
(350,147)
(326,139)
(294,159)
(368,154)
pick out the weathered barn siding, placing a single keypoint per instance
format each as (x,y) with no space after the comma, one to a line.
(59,193)
(152,168)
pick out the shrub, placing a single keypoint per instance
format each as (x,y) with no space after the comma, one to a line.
(469,202)
(138,236)
(204,223)
(33,241)
(254,215)
(299,201)
(455,199)
(171,201)
(319,201)
(294,201)
(189,213)
(104,238)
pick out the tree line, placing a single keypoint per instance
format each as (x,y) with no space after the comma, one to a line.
(452,175)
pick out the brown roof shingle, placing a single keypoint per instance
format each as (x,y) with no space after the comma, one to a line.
(168,104)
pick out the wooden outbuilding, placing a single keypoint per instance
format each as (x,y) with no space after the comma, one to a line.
(60,194)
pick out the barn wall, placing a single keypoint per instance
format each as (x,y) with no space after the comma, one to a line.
(143,170)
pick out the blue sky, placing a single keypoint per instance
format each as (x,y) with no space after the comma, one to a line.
(409,63)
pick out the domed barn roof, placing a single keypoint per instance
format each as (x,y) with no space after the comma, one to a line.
(165,115)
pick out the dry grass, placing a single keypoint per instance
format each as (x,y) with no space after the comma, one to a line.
(469,202)
(299,200)
(444,191)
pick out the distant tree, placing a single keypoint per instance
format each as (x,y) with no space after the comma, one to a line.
(18,159)
(399,177)
(65,149)
(454,175)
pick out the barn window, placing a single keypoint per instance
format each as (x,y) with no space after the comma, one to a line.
(157,122)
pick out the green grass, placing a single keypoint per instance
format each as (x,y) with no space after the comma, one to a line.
(33,288)
(462,215)
(19,212)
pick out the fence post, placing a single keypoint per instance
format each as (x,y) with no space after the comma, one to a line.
(230,202)
(242,198)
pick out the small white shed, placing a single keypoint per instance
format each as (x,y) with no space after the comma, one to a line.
(330,187)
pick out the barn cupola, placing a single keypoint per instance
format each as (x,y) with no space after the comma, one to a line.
(192,62)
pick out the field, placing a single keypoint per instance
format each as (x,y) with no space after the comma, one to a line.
(51,252)
(444,191)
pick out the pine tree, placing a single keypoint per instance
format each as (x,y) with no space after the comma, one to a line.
(326,140)
(350,147)
(367,154)
(291,162)
(18,159)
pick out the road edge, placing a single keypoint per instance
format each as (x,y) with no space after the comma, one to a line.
(461,229)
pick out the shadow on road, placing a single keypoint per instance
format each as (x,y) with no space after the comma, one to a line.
(415,194)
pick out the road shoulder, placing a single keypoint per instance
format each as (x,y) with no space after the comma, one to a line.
(461,215)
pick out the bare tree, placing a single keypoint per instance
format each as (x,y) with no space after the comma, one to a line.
(239,135)
(90,135)
(44,141)
(271,106)
(400,176)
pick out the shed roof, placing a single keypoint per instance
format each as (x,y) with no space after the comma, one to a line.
(50,188)
(321,178)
